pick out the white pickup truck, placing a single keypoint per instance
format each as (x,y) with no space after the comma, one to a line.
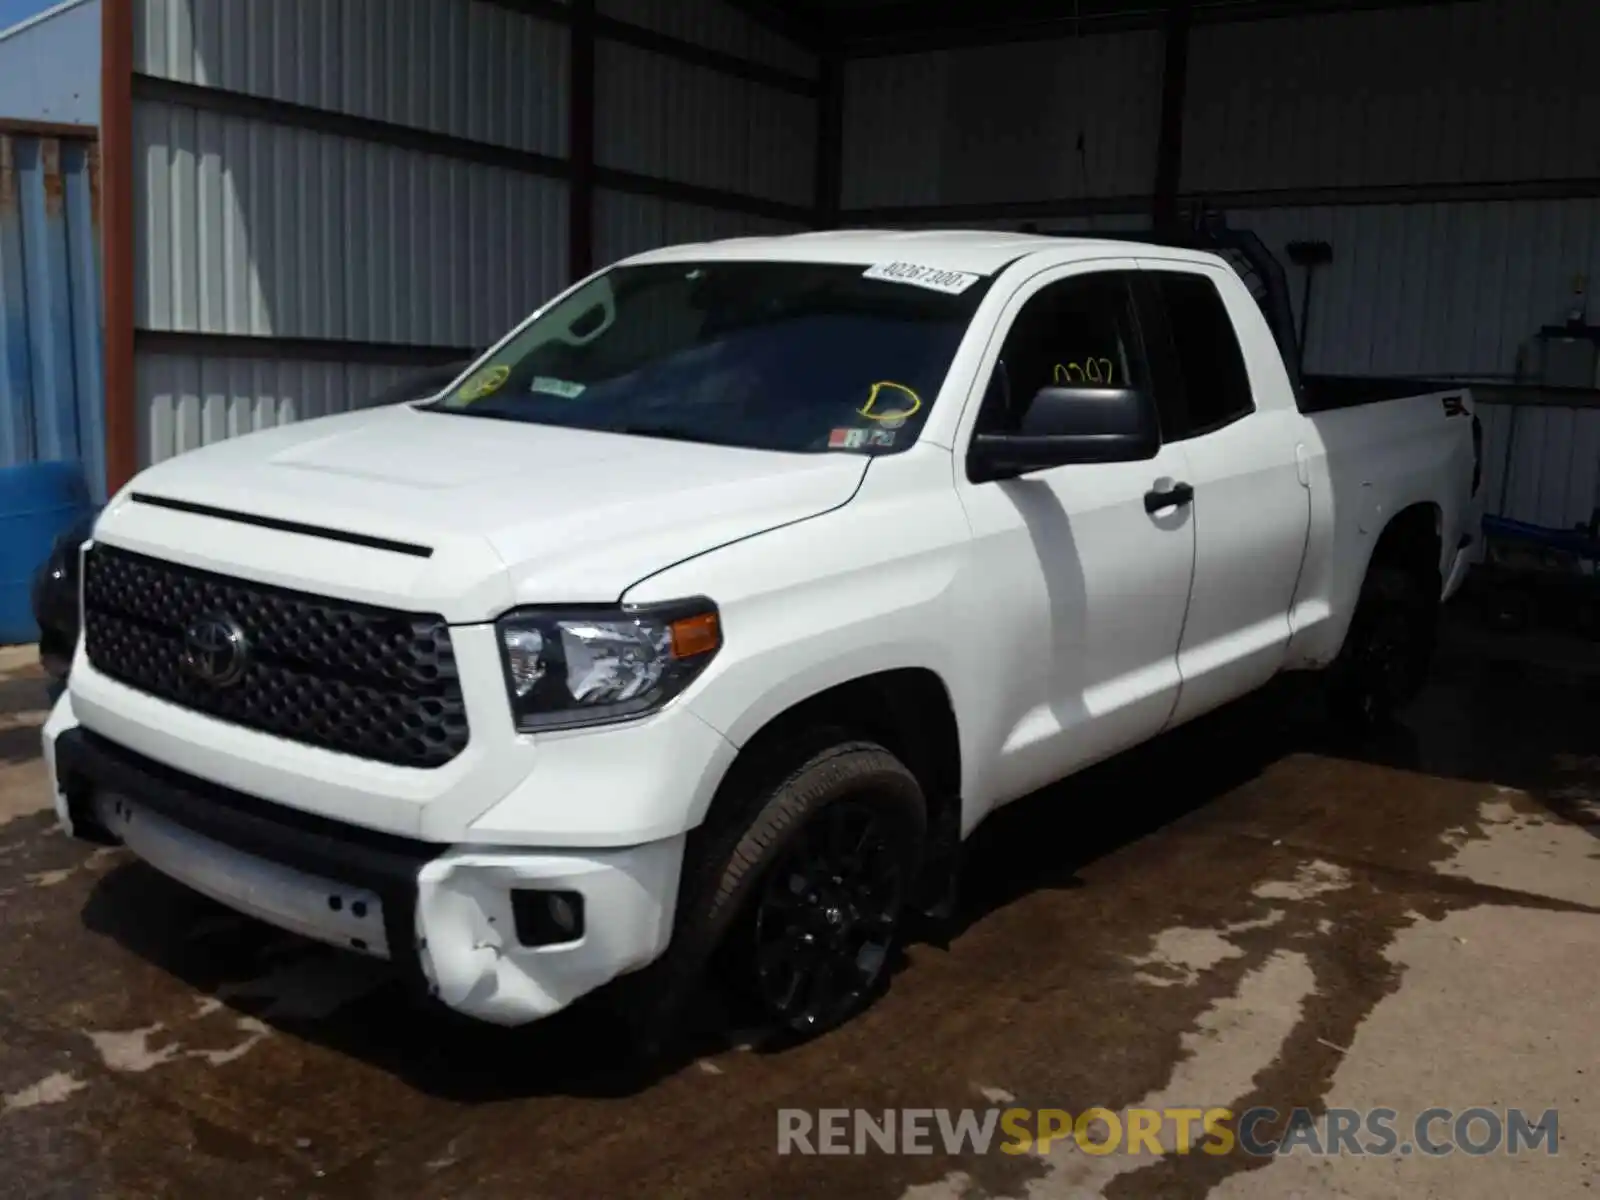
(697,624)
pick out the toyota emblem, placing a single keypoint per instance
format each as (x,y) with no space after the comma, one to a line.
(215,651)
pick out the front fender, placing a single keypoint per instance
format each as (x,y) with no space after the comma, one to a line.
(864,589)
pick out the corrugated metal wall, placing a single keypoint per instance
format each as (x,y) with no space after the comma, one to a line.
(1022,121)
(626,224)
(676,120)
(1449,97)
(1418,289)
(257,221)
(245,227)
(51,380)
(1447,152)
(663,117)
(474,70)
(1541,464)
(189,400)
(715,26)
(1506,98)
(257,228)
(1467,92)
(1440,284)
(1286,109)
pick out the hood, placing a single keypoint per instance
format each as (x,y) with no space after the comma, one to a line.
(560,515)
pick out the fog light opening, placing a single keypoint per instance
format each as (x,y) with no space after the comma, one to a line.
(547,918)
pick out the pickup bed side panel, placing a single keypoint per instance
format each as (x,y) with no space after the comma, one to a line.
(1367,464)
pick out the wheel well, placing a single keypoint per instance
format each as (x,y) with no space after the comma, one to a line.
(906,711)
(1411,541)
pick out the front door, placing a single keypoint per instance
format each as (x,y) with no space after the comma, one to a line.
(1084,580)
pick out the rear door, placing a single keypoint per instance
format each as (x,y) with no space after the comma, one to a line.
(1251,508)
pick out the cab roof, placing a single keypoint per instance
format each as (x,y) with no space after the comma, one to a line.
(979,251)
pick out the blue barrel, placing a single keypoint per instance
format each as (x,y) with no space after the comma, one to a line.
(38,503)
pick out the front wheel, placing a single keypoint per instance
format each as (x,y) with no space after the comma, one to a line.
(1384,662)
(813,894)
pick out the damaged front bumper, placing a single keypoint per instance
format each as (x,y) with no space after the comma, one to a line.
(463,922)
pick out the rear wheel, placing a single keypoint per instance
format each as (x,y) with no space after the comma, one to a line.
(1387,651)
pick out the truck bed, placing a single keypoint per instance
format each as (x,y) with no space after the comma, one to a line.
(1324,393)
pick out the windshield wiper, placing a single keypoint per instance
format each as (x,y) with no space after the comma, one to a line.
(675,433)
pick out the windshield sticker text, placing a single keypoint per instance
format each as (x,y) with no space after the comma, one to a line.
(847,439)
(551,386)
(484,383)
(880,437)
(1090,370)
(900,403)
(950,282)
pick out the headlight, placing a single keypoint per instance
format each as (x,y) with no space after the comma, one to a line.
(568,667)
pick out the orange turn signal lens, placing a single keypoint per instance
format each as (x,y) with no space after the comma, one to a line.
(696,635)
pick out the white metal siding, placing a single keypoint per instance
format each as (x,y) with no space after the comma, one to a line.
(1554,476)
(716,26)
(1472,91)
(1022,121)
(459,67)
(1435,288)
(187,401)
(627,224)
(674,120)
(250,228)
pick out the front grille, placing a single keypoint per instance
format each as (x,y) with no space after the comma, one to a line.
(367,681)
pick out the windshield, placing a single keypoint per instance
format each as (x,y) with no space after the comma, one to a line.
(801,357)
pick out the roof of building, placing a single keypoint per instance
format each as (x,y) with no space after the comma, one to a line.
(41,17)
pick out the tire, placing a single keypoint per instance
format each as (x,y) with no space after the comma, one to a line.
(744,914)
(1384,661)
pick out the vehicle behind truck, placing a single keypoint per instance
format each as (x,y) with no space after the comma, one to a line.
(698,623)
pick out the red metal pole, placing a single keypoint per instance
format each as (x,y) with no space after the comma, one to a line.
(116,238)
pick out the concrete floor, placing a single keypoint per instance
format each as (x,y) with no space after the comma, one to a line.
(1232,916)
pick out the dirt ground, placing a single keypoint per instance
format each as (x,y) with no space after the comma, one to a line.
(1237,915)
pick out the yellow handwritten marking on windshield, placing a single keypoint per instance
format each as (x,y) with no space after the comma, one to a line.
(869,410)
(1090,370)
(483,384)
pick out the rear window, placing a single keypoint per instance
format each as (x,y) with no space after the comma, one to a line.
(1215,381)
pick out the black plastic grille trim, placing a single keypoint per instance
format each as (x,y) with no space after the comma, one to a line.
(353,678)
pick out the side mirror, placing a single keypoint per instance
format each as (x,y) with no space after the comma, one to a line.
(1065,425)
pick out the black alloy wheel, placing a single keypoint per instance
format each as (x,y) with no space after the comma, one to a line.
(826,917)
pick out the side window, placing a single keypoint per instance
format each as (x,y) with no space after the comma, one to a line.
(1080,332)
(1216,385)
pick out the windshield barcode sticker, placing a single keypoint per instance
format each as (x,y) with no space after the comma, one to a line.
(935,278)
(556,387)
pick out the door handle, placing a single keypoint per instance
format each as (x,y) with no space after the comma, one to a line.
(1177,494)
